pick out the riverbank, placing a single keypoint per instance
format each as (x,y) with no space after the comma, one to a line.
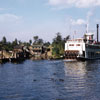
(34,52)
(17,60)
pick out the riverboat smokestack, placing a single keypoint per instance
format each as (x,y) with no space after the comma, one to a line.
(97,32)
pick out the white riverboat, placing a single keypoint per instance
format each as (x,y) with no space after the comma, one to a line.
(83,48)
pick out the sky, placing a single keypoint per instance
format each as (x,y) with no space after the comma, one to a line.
(23,19)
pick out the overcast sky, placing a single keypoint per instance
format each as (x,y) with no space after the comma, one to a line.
(24,19)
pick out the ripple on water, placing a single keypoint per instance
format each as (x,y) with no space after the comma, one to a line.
(50,80)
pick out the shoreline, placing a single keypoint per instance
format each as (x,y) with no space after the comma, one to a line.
(5,60)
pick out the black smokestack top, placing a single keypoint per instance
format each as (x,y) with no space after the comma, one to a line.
(97,32)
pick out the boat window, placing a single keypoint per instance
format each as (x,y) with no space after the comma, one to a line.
(77,44)
(71,44)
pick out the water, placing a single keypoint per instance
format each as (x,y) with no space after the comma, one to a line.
(50,80)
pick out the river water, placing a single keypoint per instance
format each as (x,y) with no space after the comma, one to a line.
(50,80)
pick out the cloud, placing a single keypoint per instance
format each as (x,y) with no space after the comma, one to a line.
(78,22)
(9,18)
(10,23)
(75,3)
(82,21)
(1,9)
(89,14)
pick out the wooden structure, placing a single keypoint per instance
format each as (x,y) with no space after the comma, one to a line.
(71,54)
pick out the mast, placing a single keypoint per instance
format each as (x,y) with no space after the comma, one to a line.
(97,32)
(87,27)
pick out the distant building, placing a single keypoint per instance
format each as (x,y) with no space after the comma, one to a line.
(18,48)
(20,52)
(39,51)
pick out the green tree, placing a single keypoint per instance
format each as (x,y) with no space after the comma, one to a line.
(5,45)
(26,44)
(67,38)
(19,42)
(58,45)
(35,38)
(15,42)
(47,44)
(40,41)
(30,42)
(4,40)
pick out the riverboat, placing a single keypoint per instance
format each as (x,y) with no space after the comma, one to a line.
(85,48)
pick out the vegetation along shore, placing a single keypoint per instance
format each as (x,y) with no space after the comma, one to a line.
(35,49)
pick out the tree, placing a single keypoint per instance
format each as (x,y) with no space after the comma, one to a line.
(19,42)
(4,41)
(58,37)
(67,38)
(26,44)
(47,44)
(30,42)
(15,42)
(58,45)
(35,39)
(40,41)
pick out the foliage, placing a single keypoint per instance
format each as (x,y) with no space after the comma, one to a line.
(37,40)
(30,42)
(8,46)
(58,45)
(47,44)
(4,40)
(26,44)
(15,42)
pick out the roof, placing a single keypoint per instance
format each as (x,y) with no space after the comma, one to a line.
(37,45)
(18,47)
(89,34)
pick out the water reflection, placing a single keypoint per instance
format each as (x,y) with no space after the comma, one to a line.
(82,79)
(80,69)
(75,68)
(50,80)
